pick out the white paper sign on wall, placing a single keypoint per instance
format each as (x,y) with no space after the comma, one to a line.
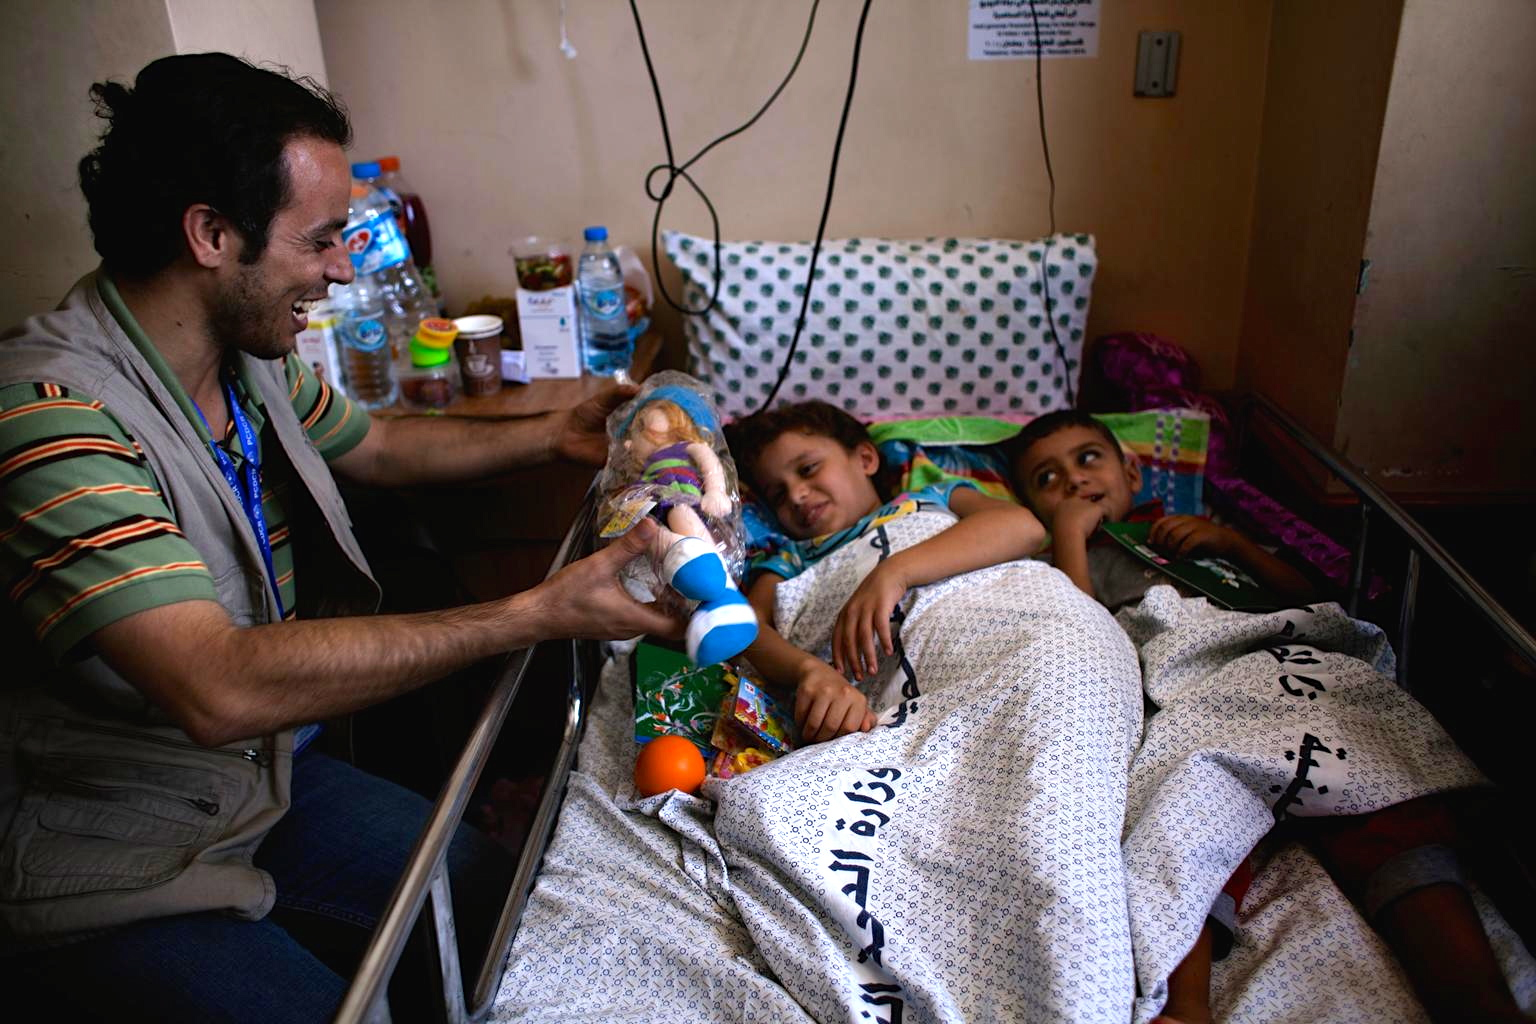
(1005,29)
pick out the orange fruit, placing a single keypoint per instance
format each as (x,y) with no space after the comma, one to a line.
(668,762)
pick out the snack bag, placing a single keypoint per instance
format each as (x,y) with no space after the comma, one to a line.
(752,728)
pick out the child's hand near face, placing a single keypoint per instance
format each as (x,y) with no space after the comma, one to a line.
(864,619)
(827,706)
(1076,518)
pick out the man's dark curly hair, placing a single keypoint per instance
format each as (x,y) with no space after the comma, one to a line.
(197,128)
(748,437)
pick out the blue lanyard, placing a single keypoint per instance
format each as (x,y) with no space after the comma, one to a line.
(249,495)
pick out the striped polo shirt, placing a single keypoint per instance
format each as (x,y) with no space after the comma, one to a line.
(86,537)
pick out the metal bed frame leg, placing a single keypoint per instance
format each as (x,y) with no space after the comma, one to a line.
(446,937)
(1357,563)
(1405,614)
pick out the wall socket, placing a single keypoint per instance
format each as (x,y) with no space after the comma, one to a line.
(1157,63)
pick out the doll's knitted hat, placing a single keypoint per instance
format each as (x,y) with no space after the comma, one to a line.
(698,408)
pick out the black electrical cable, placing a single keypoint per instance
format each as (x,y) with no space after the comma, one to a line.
(826,208)
(675,171)
(1045,149)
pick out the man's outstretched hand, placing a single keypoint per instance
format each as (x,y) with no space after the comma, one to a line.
(585,600)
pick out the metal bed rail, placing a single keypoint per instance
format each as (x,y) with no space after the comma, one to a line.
(425,880)
(1421,547)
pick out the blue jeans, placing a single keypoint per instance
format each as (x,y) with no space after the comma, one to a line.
(335,856)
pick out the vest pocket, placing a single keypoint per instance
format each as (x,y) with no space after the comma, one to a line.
(242,594)
(94,825)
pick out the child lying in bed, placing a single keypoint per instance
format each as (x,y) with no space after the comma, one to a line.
(817,468)
(1397,862)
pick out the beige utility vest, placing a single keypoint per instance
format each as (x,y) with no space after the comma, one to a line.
(109,813)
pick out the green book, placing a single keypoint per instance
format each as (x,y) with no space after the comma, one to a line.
(673,697)
(1221,581)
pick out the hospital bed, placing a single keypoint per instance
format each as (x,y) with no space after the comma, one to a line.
(622,909)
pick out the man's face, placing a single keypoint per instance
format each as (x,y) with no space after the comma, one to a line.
(259,307)
(1076,462)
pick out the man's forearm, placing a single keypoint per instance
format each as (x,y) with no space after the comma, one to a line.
(223,683)
(301,671)
(450,449)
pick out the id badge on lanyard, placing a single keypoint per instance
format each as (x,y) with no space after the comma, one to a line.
(247,492)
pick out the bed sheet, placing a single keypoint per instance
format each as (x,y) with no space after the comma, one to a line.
(987,880)
(595,946)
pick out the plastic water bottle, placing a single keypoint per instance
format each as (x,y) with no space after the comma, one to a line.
(366,366)
(379,251)
(411,215)
(606,348)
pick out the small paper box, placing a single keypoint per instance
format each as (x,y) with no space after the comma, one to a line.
(737,750)
(752,728)
(765,718)
(675,698)
(551,337)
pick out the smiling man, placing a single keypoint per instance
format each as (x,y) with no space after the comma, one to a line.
(184,597)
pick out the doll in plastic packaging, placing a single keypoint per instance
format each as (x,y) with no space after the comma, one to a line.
(667,460)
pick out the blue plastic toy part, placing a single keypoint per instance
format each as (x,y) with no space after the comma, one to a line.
(695,569)
(721,629)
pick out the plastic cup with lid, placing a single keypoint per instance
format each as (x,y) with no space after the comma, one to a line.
(479,347)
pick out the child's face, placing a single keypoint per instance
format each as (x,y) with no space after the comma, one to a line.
(815,485)
(1076,462)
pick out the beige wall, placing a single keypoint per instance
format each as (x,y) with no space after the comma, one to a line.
(1330,65)
(50,53)
(503,135)
(1437,391)
(278,31)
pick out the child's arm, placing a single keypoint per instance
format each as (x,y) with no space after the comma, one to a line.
(1192,536)
(989,532)
(1074,522)
(826,705)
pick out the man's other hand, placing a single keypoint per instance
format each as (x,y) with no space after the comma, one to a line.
(581,434)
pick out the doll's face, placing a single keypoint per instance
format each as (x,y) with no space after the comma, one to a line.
(652,431)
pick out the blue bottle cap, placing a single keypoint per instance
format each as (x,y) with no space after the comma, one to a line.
(366,170)
(595,233)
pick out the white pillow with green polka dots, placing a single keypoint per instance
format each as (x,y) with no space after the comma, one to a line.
(895,327)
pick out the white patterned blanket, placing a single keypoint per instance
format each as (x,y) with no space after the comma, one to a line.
(960,862)
(968,860)
(1262,717)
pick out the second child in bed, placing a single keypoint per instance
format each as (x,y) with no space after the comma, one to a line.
(1398,861)
(816,467)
